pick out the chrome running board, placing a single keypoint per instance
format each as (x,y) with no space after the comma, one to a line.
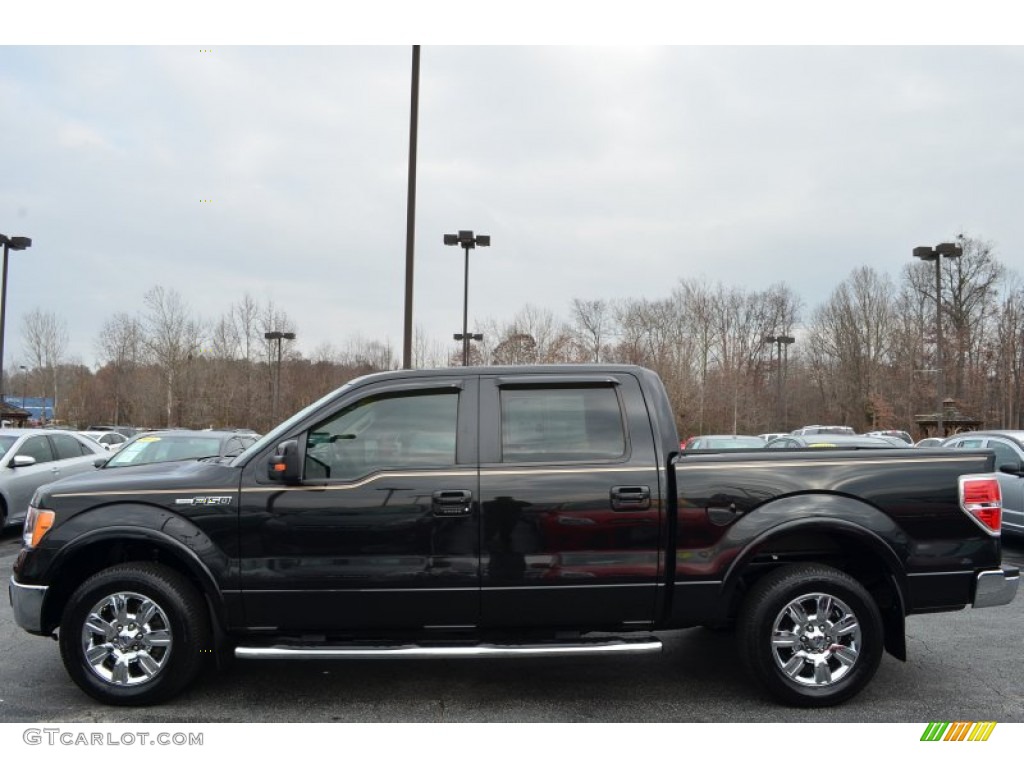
(484,650)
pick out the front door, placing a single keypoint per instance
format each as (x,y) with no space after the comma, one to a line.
(383,531)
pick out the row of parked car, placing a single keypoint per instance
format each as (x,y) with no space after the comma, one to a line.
(1006,444)
(30,458)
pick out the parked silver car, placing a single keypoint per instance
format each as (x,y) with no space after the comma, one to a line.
(34,457)
(1008,446)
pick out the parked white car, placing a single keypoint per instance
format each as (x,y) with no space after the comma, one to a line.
(30,458)
(111,441)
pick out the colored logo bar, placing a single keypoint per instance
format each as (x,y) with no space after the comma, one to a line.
(958,731)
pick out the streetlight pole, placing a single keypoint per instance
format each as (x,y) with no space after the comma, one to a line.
(10,244)
(785,341)
(466,240)
(277,336)
(778,375)
(24,384)
(927,253)
(780,369)
(410,214)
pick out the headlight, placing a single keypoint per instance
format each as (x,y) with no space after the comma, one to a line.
(37,523)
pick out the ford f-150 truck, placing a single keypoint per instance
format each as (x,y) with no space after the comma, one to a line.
(504,512)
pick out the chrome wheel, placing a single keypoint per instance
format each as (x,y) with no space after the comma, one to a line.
(126,639)
(816,640)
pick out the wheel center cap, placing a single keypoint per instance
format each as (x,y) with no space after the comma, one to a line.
(816,641)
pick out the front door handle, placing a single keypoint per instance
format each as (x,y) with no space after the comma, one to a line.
(452,503)
(631,497)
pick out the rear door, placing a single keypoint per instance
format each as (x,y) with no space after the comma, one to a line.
(569,491)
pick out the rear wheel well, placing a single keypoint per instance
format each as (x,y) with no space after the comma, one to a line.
(844,551)
(101,555)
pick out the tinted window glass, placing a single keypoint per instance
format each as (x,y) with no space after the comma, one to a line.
(1004,453)
(66,446)
(38,448)
(561,424)
(389,432)
(6,441)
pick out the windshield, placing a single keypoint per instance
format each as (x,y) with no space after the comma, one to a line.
(733,442)
(152,449)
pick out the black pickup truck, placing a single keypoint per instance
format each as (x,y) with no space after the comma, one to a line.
(504,512)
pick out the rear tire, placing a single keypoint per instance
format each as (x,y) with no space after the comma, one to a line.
(811,635)
(135,633)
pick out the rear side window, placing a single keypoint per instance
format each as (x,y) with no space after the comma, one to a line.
(561,424)
(68,447)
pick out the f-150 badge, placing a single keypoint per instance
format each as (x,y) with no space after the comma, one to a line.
(204,501)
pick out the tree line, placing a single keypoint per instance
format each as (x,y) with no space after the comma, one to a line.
(863,357)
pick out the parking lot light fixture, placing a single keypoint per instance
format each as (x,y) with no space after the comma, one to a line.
(466,240)
(9,244)
(927,253)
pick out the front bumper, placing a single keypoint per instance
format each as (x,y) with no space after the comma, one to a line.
(27,603)
(996,587)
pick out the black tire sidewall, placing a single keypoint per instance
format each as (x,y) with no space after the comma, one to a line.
(181,604)
(771,596)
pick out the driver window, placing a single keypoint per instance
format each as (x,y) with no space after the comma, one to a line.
(384,432)
(38,447)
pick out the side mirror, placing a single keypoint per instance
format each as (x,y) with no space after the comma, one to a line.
(22,461)
(283,466)
(1012,468)
(99,461)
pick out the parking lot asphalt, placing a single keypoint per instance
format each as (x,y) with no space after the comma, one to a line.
(961,666)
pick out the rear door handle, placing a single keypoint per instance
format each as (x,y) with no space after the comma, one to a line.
(631,497)
(452,503)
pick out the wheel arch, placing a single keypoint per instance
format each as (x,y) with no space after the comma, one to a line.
(99,549)
(840,543)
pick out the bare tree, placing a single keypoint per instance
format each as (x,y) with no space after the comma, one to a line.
(592,326)
(850,340)
(172,338)
(46,340)
(120,348)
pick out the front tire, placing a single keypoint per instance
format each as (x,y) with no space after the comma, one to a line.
(811,635)
(135,633)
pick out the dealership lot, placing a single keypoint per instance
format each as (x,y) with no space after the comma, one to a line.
(962,666)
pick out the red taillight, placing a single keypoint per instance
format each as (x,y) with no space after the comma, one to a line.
(981,499)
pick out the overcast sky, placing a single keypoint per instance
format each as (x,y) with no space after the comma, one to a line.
(598,172)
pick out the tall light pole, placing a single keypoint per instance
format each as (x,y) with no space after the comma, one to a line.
(927,253)
(24,384)
(277,336)
(410,208)
(466,240)
(10,244)
(780,342)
